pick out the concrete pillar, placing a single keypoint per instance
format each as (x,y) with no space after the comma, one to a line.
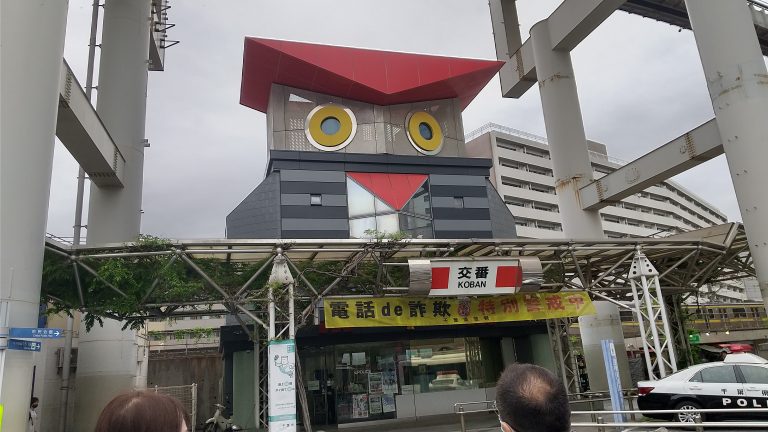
(506,28)
(565,133)
(107,363)
(114,214)
(738,86)
(110,359)
(31,49)
(541,348)
(606,324)
(508,351)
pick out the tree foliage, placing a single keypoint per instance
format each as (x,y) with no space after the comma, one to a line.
(153,283)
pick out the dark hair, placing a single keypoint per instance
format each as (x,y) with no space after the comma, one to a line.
(142,411)
(34,399)
(532,399)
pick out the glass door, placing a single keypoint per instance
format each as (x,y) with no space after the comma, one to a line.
(318,381)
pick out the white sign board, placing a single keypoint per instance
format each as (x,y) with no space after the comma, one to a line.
(475,277)
(282,385)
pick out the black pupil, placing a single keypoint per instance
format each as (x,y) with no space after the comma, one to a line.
(330,125)
(425,131)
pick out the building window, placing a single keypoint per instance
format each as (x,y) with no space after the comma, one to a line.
(542,188)
(509,182)
(316,200)
(330,125)
(371,214)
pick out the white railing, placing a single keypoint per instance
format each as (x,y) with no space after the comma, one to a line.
(494,127)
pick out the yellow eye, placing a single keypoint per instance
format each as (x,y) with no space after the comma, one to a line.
(330,127)
(424,132)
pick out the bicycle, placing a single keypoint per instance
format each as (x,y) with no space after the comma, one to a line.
(219,423)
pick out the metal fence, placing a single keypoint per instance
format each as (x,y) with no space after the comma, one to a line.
(461,409)
(632,419)
(187,395)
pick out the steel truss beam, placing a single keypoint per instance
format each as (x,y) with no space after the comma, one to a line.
(602,267)
(683,153)
(655,329)
(565,355)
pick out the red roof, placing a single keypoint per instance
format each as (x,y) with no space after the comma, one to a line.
(377,77)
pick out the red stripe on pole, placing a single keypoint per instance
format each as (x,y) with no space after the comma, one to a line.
(440,276)
(508,277)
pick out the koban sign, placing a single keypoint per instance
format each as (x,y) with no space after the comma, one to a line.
(469,276)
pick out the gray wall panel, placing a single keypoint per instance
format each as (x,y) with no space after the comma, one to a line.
(458,191)
(460,213)
(476,202)
(315,224)
(312,212)
(502,220)
(294,199)
(313,176)
(315,188)
(329,200)
(258,215)
(313,165)
(317,234)
(459,225)
(470,202)
(463,234)
(445,202)
(456,180)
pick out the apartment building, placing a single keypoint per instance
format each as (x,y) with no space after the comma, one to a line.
(522,174)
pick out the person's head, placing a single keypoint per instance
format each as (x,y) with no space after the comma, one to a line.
(530,398)
(143,411)
(34,402)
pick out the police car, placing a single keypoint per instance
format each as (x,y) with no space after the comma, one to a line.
(740,381)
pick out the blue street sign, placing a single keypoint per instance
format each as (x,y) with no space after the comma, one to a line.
(36,333)
(23,345)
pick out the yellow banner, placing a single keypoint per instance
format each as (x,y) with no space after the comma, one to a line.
(436,311)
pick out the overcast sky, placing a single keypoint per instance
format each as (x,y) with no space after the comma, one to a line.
(640,84)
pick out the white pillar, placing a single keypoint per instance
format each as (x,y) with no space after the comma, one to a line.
(506,28)
(114,214)
(107,363)
(738,86)
(605,324)
(110,359)
(565,133)
(31,50)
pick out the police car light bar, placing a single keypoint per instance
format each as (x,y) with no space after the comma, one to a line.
(745,358)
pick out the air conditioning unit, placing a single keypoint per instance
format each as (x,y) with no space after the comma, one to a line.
(60,358)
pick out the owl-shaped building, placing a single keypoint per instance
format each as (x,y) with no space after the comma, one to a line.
(363,141)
